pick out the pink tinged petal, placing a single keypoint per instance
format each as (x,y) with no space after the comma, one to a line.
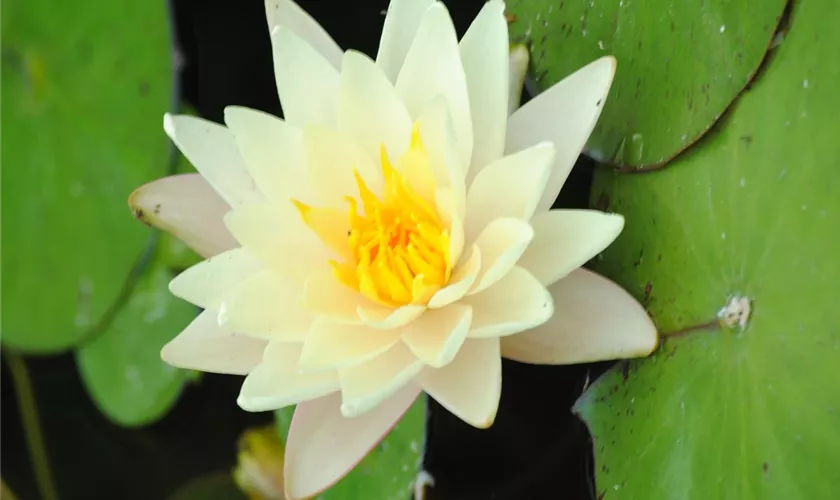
(508,187)
(323,445)
(276,381)
(307,83)
(369,108)
(502,243)
(471,385)
(365,386)
(462,279)
(208,347)
(288,14)
(331,158)
(275,234)
(401,23)
(207,283)
(212,151)
(384,318)
(518,61)
(514,304)
(331,345)
(596,320)
(266,306)
(273,153)
(186,207)
(325,296)
(437,335)
(484,52)
(564,240)
(565,114)
(433,67)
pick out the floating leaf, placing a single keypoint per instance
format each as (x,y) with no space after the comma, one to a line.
(84,88)
(216,486)
(680,64)
(121,367)
(753,212)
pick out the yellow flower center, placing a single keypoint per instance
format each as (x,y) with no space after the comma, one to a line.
(397,250)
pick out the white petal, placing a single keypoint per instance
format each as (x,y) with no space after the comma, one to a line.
(323,445)
(432,67)
(306,82)
(331,345)
(401,23)
(484,53)
(564,240)
(596,320)
(208,347)
(471,385)
(379,317)
(438,134)
(508,187)
(565,114)
(514,304)
(518,61)
(462,279)
(365,386)
(325,296)
(437,335)
(288,14)
(212,151)
(275,234)
(266,306)
(207,283)
(273,153)
(369,108)
(186,207)
(501,244)
(277,383)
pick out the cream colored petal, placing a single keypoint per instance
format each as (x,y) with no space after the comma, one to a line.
(509,187)
(471,385)
(331,158)
(332,345)
(288,14)
(514,304)
(369,108)
(438,134)
(212,151)
(207,283)
(462,279)
(275,234)
(518,61)
(564,240)
(307,83)
(365,386)
(565,114)
(208,347)
(325,296)
(437,335)
(323,445)
(277,382)
(502,243)
(401,23)
(484,53)
(186,207)
(433,67)
(383,318)
(267,306)
(273,153)
(596,320)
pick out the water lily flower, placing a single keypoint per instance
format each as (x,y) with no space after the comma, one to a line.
(391,235)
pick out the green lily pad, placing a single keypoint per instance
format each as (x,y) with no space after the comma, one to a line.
(753,211)
(84,88)
(680,64)
(121,367)
(389,470)
(215,486)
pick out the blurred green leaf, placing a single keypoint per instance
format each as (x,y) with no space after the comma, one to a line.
(84,88)
(752,211)
(680,64)
(216,486)
(121,367)
(389,470)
